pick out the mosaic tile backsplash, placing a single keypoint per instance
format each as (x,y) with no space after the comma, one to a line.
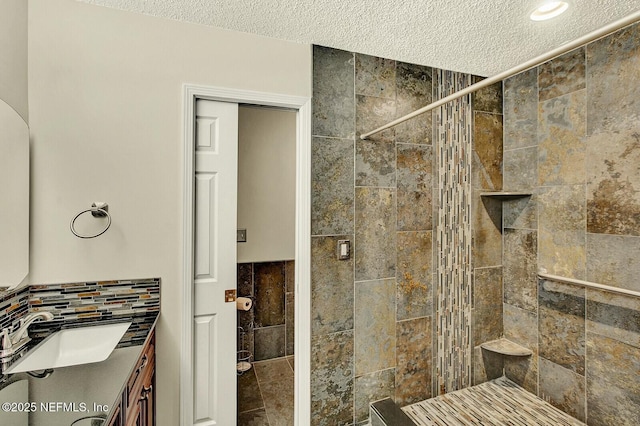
(138,299)
(13,306)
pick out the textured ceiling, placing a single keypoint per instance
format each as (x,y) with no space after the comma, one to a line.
(482,37)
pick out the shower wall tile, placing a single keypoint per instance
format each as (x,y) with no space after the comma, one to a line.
(375,238)
(269,290)
(375,76)
(375,163)
(613,180)
(333,88)
(562,75)
(331,287)
(269,342)
(413,360)
(369,192)
(561,235)
(614,316)
(332,178)
(267,328)
(486,231)
(373,112)
(414,293)
(563,388)
(332,384)
(521,327)
(613,391)
(612,81)
(613,260)
(414,90)
(415,182)
(521,106)
(520,268)
(290,324)
(520,169)
(370,388)
(586,197)
(245,279)
(561,136)
(376,156)
(561,323)
(487,99)
(487,151)
(487,310)
(290,276)
(375,326)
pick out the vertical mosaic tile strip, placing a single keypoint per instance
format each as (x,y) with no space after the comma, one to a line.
(453,234)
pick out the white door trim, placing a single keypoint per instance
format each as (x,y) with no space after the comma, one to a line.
(191,92)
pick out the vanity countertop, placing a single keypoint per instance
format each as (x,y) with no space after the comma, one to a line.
(71,393)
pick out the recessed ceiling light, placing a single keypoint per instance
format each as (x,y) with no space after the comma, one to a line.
(549,10)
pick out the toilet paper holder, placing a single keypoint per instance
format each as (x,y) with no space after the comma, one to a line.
(244,303)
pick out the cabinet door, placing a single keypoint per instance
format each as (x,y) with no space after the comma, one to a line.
(116,419)
(148,402)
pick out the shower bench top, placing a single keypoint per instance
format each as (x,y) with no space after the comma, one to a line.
(499,402)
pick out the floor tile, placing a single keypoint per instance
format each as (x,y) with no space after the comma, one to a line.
(291,360)
(268,371)
(253,418)
(278,401)
(249,397)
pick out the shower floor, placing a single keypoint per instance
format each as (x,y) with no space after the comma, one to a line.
(499,402)
(265,393)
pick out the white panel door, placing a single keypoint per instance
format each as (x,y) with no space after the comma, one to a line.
(214,339)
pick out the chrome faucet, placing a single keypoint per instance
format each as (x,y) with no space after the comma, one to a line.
(10,343)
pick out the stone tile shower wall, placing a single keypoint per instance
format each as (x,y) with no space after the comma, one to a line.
(373,315)
(268,326)
(572,130)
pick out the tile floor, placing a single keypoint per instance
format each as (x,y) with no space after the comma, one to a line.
(265,394)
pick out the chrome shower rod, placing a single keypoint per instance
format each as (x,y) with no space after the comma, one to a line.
(587,38)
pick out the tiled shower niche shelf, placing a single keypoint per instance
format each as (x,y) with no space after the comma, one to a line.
(506,347)
(505,195)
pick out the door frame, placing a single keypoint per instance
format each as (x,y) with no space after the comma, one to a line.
(302,345)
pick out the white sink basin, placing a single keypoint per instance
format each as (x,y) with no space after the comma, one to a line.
(72,346)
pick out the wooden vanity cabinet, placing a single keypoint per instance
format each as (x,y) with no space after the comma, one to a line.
(136,406)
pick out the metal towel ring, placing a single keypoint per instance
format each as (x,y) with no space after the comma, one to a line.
(97,209)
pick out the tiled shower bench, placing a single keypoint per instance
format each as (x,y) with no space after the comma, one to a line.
(499,402)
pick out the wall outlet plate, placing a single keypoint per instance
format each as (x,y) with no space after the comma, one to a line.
(242,235)
(343,249)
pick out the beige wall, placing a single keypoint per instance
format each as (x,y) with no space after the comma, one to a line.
(266,183)
(106,118)
(13,60)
